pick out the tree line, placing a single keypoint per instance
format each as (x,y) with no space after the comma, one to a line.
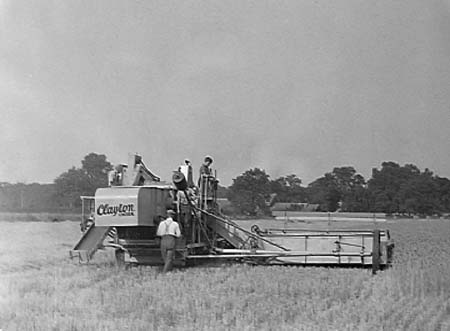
(392,189)
(63,194)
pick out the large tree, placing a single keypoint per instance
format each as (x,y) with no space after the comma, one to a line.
(249,192)
(75,182)
(288,189)
(96,168)
(70,185)
(407,190)
(324,191)
(342,188)
(442,193)
(352,188)
(391,189)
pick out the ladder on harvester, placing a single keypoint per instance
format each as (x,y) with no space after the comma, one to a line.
(207,205)
(226,229)
(90,242)
(236,235)
(93,236)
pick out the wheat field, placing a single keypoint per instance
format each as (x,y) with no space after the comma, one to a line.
(41,289)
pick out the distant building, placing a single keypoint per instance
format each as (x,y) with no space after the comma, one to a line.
(282,209)
(294,206)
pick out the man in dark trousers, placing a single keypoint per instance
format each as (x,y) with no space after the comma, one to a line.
(184,209)
(168,230)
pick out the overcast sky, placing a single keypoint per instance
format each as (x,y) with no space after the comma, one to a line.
(287,86)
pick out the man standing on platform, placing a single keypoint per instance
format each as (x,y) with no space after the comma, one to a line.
(186,170)
(168,230)
(205,169)
(184,209)
(190,175)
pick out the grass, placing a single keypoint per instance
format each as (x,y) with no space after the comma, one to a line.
(40,289)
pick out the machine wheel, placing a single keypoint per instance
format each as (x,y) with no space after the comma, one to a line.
(120,258)
(255,229)
(376,252)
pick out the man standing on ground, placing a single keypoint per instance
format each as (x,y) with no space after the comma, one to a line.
(168,230)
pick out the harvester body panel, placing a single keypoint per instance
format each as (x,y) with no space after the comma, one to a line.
(131,206)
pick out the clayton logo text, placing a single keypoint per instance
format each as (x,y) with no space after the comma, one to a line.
(121,210)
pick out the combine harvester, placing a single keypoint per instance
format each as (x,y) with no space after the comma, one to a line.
(129,211)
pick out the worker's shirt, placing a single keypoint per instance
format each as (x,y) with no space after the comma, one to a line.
(181,198)
(205,170)
(168,227)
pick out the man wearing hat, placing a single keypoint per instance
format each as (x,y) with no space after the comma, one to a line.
(168,230)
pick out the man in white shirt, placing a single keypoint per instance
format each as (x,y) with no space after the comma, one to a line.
(168,230)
